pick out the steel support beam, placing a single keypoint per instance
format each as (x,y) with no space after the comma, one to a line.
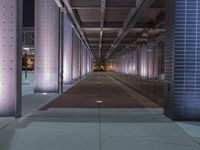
(129,22)
(86,25)
(76,24)
(96,4)
(102,16)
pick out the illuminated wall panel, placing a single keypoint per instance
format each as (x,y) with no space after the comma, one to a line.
(143,61)
(134,66)
(130,63)
(46,46)
(84,59)
(182,60)
(76,56)
(126,63)
(92,64)
(88,63)
(67,58)
(156,65)
(139,62)
(81,58)
(10,82)
(85,62)
(150,62)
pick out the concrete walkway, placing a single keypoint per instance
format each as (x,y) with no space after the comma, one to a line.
(100,87)
(71,122)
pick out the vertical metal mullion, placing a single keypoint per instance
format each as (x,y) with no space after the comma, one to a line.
(18,111)
(61,48)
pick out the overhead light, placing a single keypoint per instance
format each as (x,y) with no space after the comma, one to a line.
(149,50)
(99,101)
(26,48)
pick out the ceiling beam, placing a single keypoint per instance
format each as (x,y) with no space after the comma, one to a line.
(97,42)
(92,35)
(98,24)
(102,16)
(77,24)
(129,22)
(96,4)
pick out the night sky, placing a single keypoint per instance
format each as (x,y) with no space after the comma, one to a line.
(28,13)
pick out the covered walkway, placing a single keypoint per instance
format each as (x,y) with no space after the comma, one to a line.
(75,121)
(100,75)
(100,86)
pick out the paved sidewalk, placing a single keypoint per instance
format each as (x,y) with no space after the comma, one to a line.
(76,127)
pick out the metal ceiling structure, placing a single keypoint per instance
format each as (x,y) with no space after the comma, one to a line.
(107,25)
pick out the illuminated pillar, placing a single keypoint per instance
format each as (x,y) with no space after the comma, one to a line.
(155,61)
(135,62)
(83,73)
(88,63)
(143,57)
(76,56)
(182,60)
(67,59)
(86,57)
(84,60)
(10,57)
(92,64)
(46,46)
(150,62)
(81,59)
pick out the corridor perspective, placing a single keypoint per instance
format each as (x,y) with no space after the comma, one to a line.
(75,120)
(99,75)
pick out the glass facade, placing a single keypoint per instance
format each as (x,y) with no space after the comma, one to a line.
(141,69)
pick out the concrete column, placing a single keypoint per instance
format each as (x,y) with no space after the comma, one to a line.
(91,64)
(135,63)
(10,57)
(67,57)
(150,62)
(81,59)
(46,46)
(143,58)
(84,59)
(76,56)
(88,63)
(182,60)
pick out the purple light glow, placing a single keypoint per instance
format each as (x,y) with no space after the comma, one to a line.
(67,59)
(8,57)
(46,46)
